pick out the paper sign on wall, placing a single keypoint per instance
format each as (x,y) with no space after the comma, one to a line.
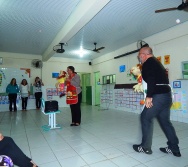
(167,59)
(122,68)
(159,58)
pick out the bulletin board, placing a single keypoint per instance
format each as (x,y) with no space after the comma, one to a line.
(6,74)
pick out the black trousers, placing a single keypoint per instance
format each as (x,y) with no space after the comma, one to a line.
(76,110)
(38,96)
(12,100)
(24,102)
(8,147)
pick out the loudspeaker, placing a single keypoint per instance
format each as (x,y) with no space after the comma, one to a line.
(90,63)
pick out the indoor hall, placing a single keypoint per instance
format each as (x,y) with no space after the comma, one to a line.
(104,139)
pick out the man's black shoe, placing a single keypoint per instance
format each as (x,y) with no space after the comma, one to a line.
(140,149)
(169,151)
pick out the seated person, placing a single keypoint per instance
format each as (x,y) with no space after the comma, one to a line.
(9,148)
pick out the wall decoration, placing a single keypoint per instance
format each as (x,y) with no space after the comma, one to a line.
(180,102)
(128,98)
(50,92)
(177,84)
(159,58)
(27,71)
(122,68)
(2,76)
(167,59)
(55,75)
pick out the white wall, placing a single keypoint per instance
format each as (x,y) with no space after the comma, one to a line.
(18,60)
(108,65)
(56,64)
(171,42)
(15,60)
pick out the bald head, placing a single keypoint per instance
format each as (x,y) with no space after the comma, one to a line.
(144,54)
(146,50)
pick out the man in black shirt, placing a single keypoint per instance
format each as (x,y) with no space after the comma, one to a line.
(157,104)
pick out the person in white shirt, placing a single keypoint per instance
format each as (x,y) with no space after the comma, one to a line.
(38,91)
(25,91)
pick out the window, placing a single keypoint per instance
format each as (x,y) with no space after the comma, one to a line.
(184,66)
(109,79)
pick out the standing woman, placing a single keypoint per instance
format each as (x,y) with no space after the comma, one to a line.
(74,80)
(12,90)
(24,89)
(38,91)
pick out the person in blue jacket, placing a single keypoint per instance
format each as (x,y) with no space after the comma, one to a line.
(12,90)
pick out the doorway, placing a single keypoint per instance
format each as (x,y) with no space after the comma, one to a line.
(97,88)
(86,80)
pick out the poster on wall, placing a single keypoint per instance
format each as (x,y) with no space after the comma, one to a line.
(159,58)
(167,59)
(27,71)
(180,102)
(6,75)
(122,68)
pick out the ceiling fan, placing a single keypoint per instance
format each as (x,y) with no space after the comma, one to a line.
(182,6)
(96,49)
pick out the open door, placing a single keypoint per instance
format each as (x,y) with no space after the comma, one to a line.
(85,82)
(97,88)
(89,95)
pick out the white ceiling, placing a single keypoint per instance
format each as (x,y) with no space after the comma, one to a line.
(35,26)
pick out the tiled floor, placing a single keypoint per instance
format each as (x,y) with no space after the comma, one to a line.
(104,139)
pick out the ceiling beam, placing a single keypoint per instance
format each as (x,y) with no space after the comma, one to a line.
(84,12)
